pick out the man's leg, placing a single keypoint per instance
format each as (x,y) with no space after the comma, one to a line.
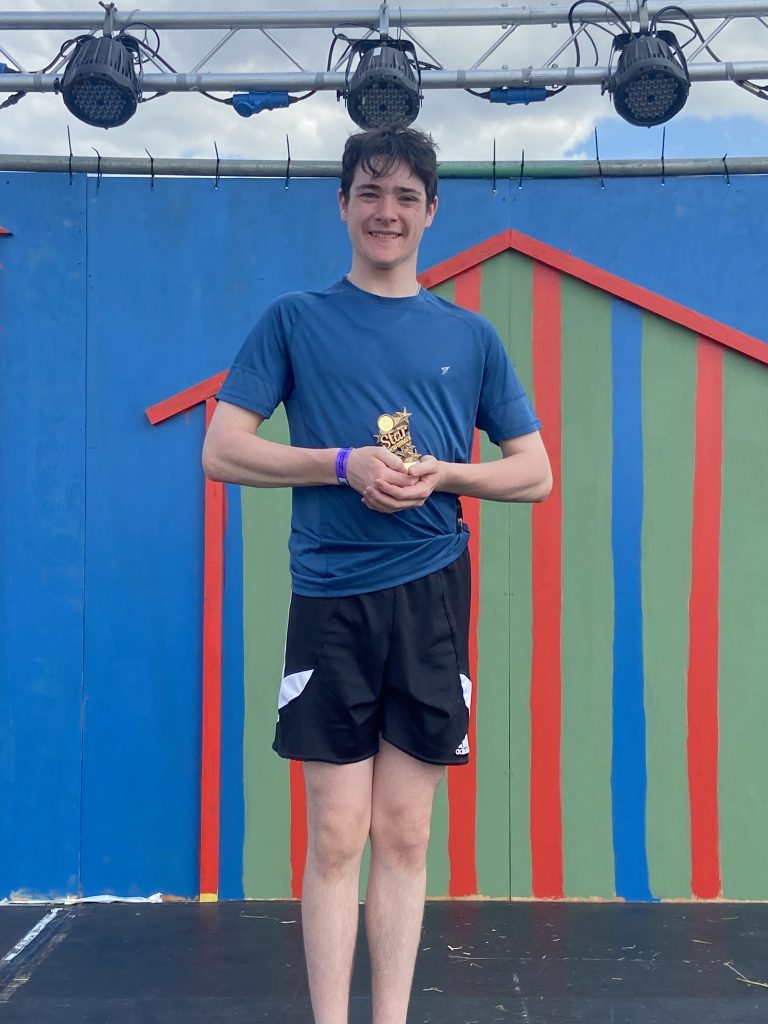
(338,819)
(403,792)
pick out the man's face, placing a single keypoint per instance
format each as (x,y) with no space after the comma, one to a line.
(386,216)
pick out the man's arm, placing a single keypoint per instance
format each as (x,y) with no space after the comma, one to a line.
(233,453)
(522,474)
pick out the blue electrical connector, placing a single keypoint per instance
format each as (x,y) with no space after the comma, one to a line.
(247,103)
(517,95)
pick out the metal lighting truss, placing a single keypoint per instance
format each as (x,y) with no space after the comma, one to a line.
(557,69)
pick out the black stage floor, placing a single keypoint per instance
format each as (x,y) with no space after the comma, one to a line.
(480,963)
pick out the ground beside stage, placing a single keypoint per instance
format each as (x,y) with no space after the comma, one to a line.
(480,963)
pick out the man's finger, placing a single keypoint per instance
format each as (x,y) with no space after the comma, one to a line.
(391,461)
(401,492)
(426,465)
(400,479)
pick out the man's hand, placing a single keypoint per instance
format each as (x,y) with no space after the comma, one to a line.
(367,465)
(409,488)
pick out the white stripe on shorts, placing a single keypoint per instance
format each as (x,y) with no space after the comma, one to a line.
(293,686)
(466,689)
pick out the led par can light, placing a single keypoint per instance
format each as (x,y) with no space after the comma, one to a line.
(650,84)
(383,92)
(100,86)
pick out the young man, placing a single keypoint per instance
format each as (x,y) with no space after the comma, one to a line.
(375,695)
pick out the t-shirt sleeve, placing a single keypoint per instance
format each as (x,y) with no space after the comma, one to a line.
(504,410)
(261,376)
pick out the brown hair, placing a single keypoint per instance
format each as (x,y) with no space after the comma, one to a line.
(378,151)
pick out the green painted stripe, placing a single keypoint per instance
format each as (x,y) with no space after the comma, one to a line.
(743,632)
(438,863)
(266,595)
(669,451)
(503,699)
(519,342)
(365,869)
(587,631)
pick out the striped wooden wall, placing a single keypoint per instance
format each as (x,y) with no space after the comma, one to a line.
(619,644)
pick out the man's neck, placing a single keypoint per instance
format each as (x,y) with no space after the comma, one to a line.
(388,283)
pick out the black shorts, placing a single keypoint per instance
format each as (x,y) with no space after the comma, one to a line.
(393,663)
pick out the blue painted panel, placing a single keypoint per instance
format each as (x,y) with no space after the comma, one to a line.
(468,212)
(193,269)
(42,454)
(233,709)
(628,769)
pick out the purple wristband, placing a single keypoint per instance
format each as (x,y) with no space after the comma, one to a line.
(342,457)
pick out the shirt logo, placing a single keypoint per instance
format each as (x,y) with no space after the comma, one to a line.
(445,369)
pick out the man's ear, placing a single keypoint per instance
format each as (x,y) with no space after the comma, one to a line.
(431,211)
(343,206)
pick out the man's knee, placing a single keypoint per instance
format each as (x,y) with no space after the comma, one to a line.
(336,840)
(400,836)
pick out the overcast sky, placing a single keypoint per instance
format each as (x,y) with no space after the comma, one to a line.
(718,118)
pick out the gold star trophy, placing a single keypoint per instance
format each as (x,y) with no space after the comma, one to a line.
(394,434)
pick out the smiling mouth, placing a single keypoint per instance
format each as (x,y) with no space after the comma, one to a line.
(384,234)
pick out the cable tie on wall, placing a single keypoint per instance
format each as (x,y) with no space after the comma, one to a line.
(663,145)
(522,168)
(727,175)
(599,165)
(288,164)
(98,168)
(151,170)
(69,140)
(218,162)
(494,167)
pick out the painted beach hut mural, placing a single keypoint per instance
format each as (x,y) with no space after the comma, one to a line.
(619,648)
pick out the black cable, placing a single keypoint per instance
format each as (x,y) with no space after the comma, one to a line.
(340,35)
(594,46)
(760,91)
(147,28)
(12,100)
(600,3)
(679,24)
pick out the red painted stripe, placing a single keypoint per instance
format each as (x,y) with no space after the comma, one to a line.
(462,781)
(465,260)
(704,626)
(470,258)
(298,828)
(546,679)
(213,594)
(638,296)
(186,399)
(602,279)
(5,231)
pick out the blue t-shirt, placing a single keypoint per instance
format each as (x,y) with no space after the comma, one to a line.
(338,359)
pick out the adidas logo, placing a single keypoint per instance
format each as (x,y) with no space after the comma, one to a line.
(445,369)
(463,748)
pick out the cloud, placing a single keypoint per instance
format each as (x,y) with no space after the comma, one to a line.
(465,127)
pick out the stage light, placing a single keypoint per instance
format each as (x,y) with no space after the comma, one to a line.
(100,86)
(385,90)
(650,83)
